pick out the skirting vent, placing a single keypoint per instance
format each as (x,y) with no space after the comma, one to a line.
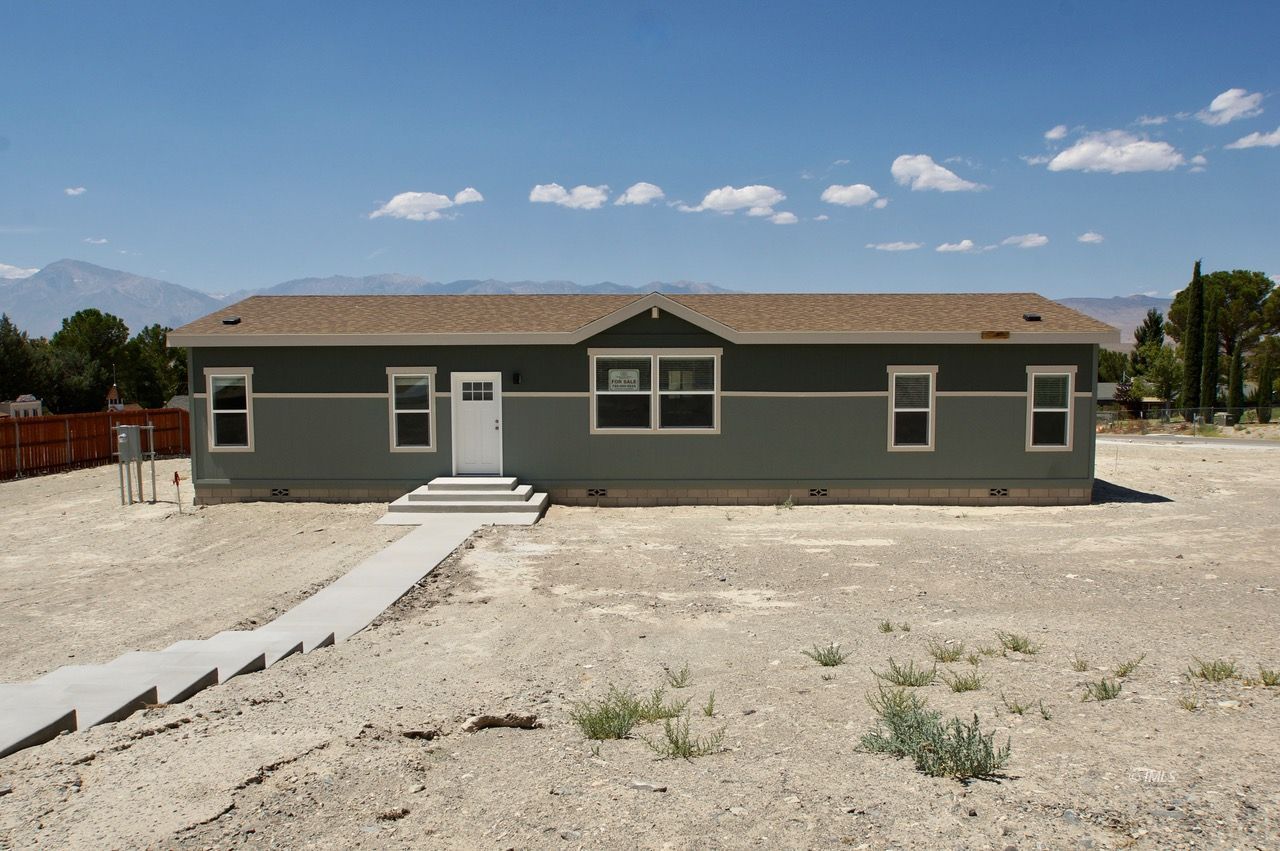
(817,491)
(999,491)
(597,491)
(279,491)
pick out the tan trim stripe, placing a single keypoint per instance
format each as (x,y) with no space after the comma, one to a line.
(549,394)
(822,394)
(320,395)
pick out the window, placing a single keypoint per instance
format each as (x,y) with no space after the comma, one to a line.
(675,392)
(411,394)
(1049,408)
(230,409)
(911,395)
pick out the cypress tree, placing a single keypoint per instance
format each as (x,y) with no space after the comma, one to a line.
(1266,377)
(1193,341)
(1209,356)
(1235,384)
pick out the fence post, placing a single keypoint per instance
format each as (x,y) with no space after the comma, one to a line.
(66,424)
(17,446)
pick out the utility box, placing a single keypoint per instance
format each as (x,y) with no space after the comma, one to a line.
(129,443)
(1222,419)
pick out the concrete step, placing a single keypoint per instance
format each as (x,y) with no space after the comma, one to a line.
(236,641)
(172,683)
(94,702)
(224,664)
(427,493)
(473,483)
(312,636)
(537,503)
(31,715)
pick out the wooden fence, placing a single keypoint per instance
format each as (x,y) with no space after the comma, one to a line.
(30,446)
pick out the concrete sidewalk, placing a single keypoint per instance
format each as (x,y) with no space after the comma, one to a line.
(76,697)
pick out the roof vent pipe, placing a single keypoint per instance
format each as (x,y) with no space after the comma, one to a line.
(231,320)
(1031,317)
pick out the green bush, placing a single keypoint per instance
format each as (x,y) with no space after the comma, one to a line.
(956,749)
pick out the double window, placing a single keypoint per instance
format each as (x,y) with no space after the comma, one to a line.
(911,404)
(411,396)
(674,392)
(1050,390)
(230,394)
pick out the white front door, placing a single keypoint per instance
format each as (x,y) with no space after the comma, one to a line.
(476,400)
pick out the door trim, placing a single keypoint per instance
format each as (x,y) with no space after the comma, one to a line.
(455,397)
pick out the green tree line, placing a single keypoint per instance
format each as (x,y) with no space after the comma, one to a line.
(1224,329)
(72,370)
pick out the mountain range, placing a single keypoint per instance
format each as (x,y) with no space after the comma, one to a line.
(38,302)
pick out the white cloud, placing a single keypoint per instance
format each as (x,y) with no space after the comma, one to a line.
(960,247)
(1056,133)
(424,206)
(895,246)
(1199,159)
(578,198)
(1151,120)
(73,191)
(841,162)
(1117,152)
(757,200)
(640,193)
(1090,237)
(95,240)
(854,195)
(13,273)
(1230,105)
(822,218)
(920,172)
(1257,140)
(1038,159)
(783,218)
(1026,240)
(881,203)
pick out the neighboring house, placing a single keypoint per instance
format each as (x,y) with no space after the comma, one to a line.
(25,405)
(653,399)
(114,402)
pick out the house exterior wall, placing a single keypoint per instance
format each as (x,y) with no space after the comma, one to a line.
(811,445)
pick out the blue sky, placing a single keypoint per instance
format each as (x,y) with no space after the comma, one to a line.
(225,146)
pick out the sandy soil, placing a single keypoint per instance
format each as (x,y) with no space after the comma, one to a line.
(84,579)
(338,749)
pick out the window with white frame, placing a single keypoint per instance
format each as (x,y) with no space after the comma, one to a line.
(230,399)
(1049,409)
(675,392)
(911,403)
(410,396)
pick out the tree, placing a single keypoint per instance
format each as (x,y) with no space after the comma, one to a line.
(1235,382)
(152,372)
(1192,339)
(1112,366)
(1163,372)
(17,361)
(1268,354)
(1209,365)
(1150,331)
(86,352)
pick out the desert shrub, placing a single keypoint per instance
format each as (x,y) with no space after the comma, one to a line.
(678,743)
(678,678)
(946,652)
(956,749)
(1215,671)
(1269,677)
(885,626)
(1128,666)
(1079,664)
(827,657)
(1017,643)
(908,674)
(971,681)
(1104,689)
(613,716)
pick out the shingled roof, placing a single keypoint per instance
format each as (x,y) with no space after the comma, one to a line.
(514,319)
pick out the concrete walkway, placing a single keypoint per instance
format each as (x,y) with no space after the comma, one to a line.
(76,697)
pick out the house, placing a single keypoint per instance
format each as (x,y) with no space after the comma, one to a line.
(648,399)
(25,405)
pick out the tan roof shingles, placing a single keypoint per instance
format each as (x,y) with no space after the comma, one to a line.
(746,313)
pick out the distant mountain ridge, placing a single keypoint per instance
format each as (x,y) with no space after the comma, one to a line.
(38,303)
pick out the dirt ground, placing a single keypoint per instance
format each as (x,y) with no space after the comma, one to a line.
(360,745)
(84,579)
